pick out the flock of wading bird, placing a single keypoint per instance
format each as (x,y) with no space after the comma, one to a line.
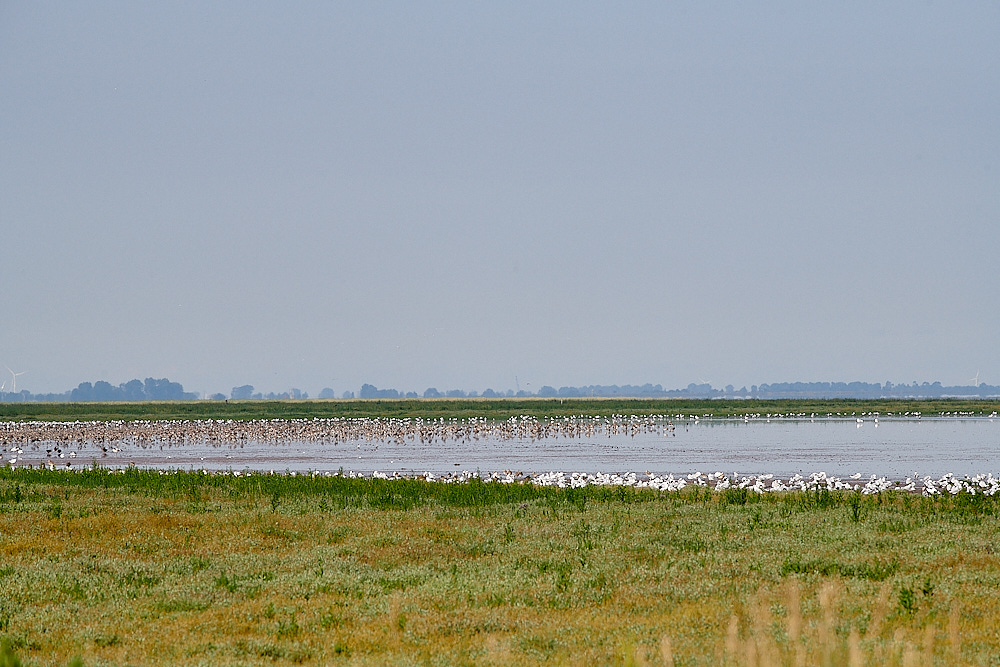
(61,442)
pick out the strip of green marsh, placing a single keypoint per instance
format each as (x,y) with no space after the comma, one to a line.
(481,408)
(149,568)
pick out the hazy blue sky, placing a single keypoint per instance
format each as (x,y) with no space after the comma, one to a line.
(455,194)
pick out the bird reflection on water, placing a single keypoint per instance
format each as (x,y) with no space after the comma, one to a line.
(781,445)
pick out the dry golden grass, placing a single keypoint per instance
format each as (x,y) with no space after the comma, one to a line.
(119,576)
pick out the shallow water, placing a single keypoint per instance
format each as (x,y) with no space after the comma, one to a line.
(891,447)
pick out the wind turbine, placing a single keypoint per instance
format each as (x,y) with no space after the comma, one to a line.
(13,379)
(975,380)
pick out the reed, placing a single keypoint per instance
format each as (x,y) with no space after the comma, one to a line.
(764,645)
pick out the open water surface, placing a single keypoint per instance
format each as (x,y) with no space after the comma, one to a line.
(894,447)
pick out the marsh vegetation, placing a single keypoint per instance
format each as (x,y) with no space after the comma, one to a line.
(144,567)
(482,408)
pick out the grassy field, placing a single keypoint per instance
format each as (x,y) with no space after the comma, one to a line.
(184,568)
(477,407)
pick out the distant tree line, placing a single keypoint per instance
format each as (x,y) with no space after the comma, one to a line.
(705,390)
(871,390)
(246,392)
(370,391)
(165,390)
(151,389)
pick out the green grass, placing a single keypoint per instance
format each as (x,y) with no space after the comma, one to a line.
(185,568)
(483,408)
